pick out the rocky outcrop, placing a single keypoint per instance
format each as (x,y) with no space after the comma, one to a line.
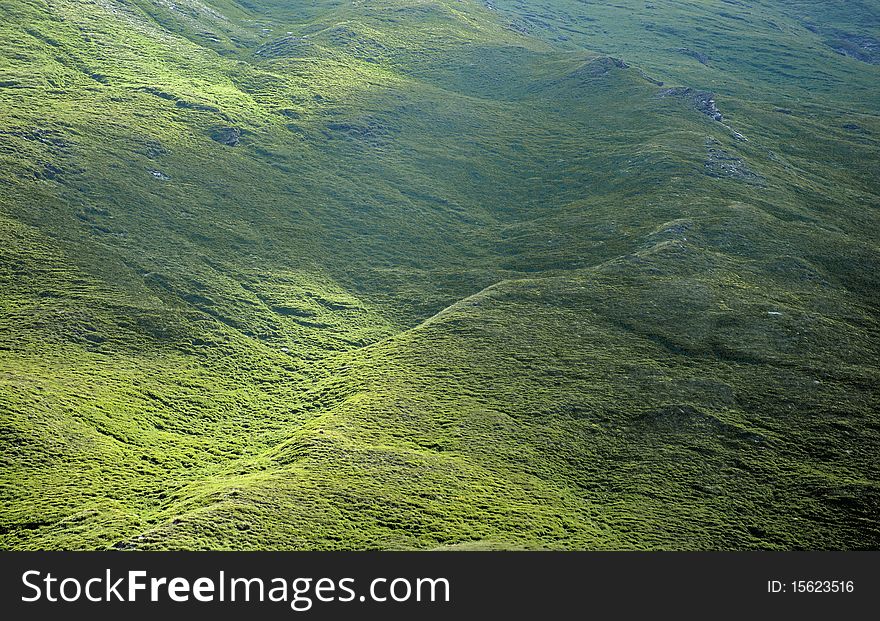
(860,47)
(700,57)
(286,47)
(598,67)
(230,136)
(370,131)
(722,165)
(702,101)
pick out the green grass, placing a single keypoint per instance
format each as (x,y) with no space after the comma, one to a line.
(463,282)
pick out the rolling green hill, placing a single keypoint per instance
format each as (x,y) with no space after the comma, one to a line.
(439,274)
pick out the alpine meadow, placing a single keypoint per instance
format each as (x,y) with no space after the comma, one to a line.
(439,274)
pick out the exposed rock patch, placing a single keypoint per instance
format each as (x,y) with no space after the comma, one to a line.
(358,45)
(230,136)
(152,148)
(48,172)
(702,101)
(518,26)
(684,418)
(192,105)
(863,48)
(158,93)
(700,57)
(370,131)
(860,47)
(721,164)
(648,78)
(178,101)
(286,47)
(599,67)
(674,228)
(45,136)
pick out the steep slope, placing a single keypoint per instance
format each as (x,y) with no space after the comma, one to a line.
(421,274)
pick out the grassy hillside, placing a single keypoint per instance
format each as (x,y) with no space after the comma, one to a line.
(439,274)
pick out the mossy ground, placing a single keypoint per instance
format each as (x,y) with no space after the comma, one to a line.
(438,274)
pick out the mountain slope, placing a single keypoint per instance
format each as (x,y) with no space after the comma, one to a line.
(428,274)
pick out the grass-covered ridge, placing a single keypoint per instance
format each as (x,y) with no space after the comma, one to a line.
(439,274)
